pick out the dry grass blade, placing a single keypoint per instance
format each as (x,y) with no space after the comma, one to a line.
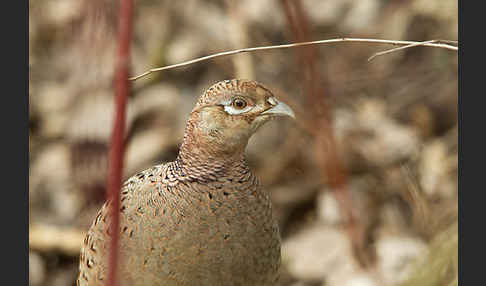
(441,44)
(440,266)
(446,44)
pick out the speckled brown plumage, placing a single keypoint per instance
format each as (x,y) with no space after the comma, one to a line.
(204,218)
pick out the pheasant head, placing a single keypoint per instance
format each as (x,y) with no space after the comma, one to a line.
(227,115)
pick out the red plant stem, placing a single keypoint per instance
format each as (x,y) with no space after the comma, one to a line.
(122,89)
(326,148)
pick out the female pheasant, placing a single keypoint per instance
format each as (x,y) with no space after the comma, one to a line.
(204,218)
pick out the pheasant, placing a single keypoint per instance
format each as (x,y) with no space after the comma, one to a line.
(204,218)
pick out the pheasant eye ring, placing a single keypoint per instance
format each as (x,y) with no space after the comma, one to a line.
(237,105)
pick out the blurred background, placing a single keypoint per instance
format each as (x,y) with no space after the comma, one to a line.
(364,182)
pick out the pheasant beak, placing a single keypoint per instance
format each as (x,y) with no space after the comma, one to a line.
(278,109)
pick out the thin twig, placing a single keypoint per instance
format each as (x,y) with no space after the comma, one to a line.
(410,46)
(441,44)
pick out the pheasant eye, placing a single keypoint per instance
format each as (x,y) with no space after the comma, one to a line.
(239,103)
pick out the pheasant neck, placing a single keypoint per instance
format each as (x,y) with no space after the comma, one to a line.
(199,153)
(207,162)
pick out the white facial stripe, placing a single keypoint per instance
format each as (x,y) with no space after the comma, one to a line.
(272,101)
(225,102)
(233,111)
